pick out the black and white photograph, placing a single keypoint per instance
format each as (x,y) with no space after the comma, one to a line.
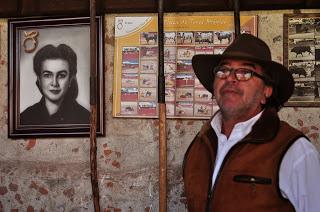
(149,38)
(50,77)
(170,109)
(129,108)
(184,94)
(170,53)
(301,52)
(203,109)
(223,37)
(185,52)
(149,66)
(203,50)
(169,38)
(185,38)
(184,109)
(148,94)
(204,38)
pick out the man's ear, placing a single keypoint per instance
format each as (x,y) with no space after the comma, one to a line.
(267,93)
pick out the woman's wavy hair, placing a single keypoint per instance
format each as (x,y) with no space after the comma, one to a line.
(64,52)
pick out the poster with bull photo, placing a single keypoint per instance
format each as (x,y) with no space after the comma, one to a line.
(302,57)
(136,65)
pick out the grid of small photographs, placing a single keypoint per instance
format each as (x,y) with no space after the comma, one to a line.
(184,94)
(303,54)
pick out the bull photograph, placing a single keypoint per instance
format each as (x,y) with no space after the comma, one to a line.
(301,55)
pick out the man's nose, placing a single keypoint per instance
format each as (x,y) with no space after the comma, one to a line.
(232,77)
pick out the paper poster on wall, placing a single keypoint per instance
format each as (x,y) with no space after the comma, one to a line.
(301,56)
(136,63)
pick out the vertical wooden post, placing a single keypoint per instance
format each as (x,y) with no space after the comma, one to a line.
(162,115)
(93,106)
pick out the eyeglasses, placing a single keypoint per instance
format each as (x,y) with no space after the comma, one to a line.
(241,74)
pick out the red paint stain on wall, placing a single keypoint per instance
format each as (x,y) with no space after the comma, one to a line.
(109,184)
(3,190)
(305,130)
(116,164)
(13,187)
(69,193)
(34,185)
(31,144)
(30,209)
(314,136)
(42,190)
(107,152)
(18,198)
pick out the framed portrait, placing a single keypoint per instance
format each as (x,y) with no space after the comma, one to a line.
(49,77)
(302,57)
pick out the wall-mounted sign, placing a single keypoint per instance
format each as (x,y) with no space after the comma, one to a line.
(136,63)
(302,57)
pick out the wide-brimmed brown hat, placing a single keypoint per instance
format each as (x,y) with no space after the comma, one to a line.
(251,48)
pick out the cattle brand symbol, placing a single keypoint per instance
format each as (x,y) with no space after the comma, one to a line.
(30,41)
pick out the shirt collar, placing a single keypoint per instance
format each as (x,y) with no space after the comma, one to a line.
(239,131)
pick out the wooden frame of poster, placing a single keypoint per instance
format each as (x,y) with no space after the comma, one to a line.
(136,63)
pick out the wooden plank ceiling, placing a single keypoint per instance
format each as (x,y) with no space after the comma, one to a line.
(25,8)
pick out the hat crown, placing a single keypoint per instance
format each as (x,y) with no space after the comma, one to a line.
(250,47)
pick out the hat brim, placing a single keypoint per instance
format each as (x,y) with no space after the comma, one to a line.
(203,66)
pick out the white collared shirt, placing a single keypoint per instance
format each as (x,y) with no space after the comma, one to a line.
(299,172)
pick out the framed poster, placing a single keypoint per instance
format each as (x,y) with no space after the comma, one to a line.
(302,57)
(49,77)
(136,63)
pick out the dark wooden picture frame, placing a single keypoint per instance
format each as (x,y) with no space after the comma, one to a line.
(301,53)
(35,91)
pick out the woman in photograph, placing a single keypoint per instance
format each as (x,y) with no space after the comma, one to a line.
(56,69)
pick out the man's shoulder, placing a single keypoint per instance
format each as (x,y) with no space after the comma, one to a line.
(290,129)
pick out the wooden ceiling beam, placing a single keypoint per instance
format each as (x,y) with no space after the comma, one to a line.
(26,8)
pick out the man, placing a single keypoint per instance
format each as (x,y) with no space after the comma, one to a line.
(245,158)
(56,69)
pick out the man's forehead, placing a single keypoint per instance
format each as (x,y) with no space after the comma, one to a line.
(239,62)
